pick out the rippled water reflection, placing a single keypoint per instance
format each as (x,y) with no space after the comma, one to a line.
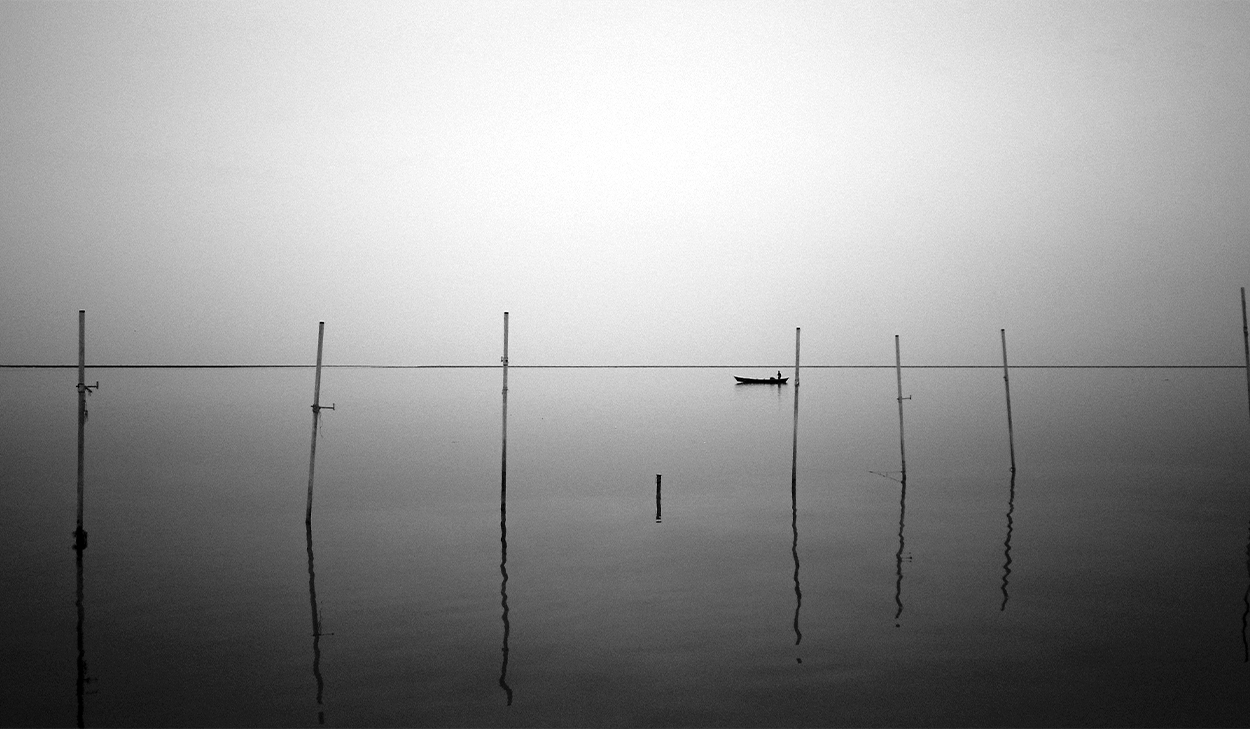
(787,583)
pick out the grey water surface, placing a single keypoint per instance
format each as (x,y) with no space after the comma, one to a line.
(1104,583)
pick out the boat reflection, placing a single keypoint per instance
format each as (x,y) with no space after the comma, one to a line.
(316,627)
(1011,506)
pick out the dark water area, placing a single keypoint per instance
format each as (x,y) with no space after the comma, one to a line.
(791,580)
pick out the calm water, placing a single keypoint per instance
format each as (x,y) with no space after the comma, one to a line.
(1106,583)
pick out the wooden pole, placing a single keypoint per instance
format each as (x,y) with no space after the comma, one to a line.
(316,413)
(898,371)
(1011,440)
(796,356)
(80,535)
(503,458)
(657,498)
(1245,336)
(794,446)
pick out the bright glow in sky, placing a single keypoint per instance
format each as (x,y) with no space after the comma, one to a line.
(636,182)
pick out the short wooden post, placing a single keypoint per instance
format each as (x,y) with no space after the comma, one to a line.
(898,371)
(657,498)
(80,535)
(316,413)
(1011,441)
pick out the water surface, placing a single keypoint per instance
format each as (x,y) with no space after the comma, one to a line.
(1104,583)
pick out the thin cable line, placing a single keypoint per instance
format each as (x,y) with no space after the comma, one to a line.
(609,367)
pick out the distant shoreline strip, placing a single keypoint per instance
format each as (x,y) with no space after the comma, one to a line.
(605,367)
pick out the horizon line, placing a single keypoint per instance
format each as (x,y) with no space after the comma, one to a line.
(621,366)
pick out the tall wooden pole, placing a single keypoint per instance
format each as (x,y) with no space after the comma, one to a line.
(796,356)
(316,413)
(1011,440)
(898,371)
(794,447)
(503,458)
(80,536)
(1245,337)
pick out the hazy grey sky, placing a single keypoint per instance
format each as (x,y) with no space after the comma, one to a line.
(637,182)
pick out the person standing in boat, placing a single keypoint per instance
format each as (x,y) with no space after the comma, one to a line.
(778,375)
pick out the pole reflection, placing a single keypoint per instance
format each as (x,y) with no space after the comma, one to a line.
(794,505)
(82,680)
(1011,506)
(316,628)
(898,584)
(503,520)
(503,591)
(1245,616)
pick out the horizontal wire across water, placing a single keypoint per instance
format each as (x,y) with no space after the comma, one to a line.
(614,367)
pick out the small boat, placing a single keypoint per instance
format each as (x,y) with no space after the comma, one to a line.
(761,380)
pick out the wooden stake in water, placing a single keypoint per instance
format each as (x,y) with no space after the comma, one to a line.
(80,534)
(503,459)
(898,371)
(1245,336)
(1011,441)
(316,414)
(796,356)
(657,498)
(794,445)
(80,537)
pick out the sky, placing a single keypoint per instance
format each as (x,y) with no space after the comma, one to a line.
(635,182)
